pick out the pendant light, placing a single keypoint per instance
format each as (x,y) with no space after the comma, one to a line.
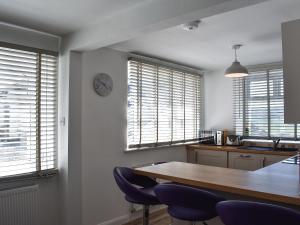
(236,69)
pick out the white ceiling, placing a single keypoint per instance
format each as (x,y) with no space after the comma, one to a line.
(61,16)
(258,27)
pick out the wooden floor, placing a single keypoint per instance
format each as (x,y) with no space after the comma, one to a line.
(159,217)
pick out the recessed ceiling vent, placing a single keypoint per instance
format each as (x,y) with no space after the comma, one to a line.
(193,25)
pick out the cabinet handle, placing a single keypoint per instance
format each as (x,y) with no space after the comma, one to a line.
(264,162)
(245,156)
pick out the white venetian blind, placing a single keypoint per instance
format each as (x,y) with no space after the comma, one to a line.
(164,105)
(48,113)
(259,105)
(27,111)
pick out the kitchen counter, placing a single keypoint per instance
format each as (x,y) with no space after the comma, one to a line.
(278,182)
(227,148)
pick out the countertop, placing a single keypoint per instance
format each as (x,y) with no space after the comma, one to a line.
(228,148)
(279,182)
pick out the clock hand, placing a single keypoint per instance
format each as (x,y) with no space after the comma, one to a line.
(104,84)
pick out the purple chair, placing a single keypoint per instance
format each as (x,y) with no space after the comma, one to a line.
(137,189)
(187,203)
(253,213)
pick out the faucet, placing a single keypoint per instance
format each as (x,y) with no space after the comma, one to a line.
(275,144)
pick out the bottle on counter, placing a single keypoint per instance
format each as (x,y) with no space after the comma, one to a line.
(225,135)
(246,132)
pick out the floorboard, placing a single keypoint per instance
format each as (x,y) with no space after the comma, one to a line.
(159,217)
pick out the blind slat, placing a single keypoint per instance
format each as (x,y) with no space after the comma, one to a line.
(258,103)
(28,92)
(163,105)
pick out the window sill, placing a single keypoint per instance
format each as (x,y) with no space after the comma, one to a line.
(128,150)
(271,141)
(30,176)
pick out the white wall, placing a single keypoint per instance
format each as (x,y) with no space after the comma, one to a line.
(218,101)
(103,123)
(102,140)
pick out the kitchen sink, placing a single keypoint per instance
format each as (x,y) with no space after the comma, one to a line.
(260,148)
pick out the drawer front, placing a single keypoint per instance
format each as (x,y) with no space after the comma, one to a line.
(271,159)
(245,161)
(211,158)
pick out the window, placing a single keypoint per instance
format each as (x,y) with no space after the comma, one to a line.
(164,105)
(259,106)
(28,83)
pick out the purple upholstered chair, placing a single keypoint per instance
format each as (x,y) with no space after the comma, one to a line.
(187,203)
(137,189)
(253,213)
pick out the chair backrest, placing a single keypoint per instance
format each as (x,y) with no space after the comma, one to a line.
(180,195)
(253,213)
(128,182)
(128,174)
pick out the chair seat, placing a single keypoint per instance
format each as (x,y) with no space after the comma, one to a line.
(151,200)
(190,214)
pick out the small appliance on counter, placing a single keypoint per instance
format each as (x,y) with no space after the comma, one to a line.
(207,140)
(219,137)
(233,140)
(207,137)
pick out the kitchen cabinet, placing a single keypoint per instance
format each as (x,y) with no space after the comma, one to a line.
(271,159)
(191,156)
(231,157)
(291,61)
(211,158)
(245,161)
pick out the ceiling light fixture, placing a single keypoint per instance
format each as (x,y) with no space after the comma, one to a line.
(236,69)
(193,25)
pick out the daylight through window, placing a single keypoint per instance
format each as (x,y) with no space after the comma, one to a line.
(259,106)
(28,110)
(164,105)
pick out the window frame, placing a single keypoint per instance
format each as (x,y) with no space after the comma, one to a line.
(158,63)
(38,173)
(267,69)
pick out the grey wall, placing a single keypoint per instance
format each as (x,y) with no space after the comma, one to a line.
(75,139)
(27,37)
(48,196)
(103,124)
(218,101)
(69,162)
(291,51)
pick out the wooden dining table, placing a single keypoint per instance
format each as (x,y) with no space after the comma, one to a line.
(278,182)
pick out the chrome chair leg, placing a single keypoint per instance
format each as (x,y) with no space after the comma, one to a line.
(146,215)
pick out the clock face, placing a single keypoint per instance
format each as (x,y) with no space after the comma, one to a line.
(103,84)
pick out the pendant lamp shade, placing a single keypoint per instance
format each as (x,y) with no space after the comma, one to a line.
(236,69)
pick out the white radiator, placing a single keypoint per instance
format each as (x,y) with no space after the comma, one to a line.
(19,206)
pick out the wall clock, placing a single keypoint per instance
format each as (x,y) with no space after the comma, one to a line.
(103,84)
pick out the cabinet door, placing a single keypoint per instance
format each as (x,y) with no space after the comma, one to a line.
(291,52)
(212,158)
(191,156)
(271,159)
(244,161)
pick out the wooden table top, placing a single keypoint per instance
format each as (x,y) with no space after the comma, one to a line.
(278,182)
